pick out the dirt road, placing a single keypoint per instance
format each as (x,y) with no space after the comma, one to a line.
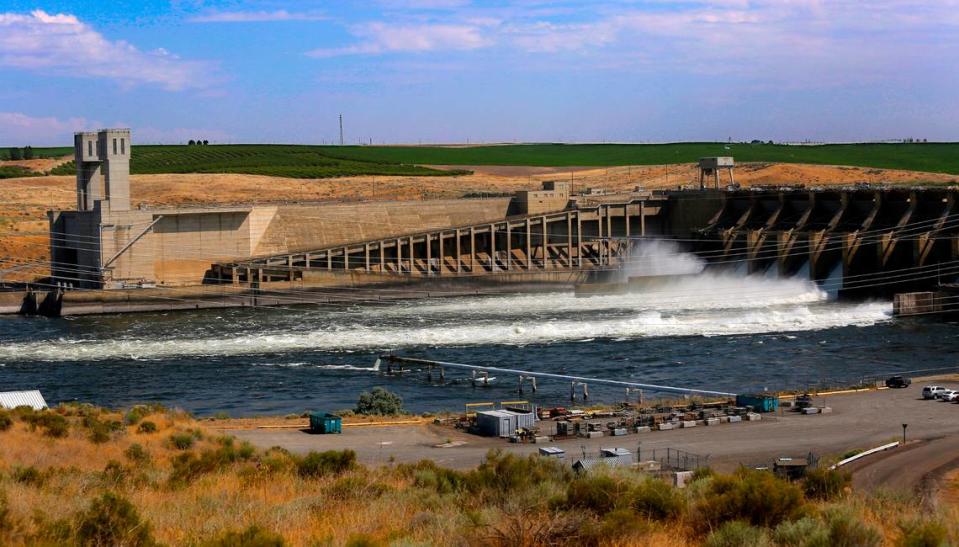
(914,468)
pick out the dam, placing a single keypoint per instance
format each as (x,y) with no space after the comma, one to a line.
(107,256)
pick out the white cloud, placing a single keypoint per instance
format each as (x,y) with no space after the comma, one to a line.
(61,44)
(379,37)
(255,16)
(19,129)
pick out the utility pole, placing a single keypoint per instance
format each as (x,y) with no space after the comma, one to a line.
(341,129)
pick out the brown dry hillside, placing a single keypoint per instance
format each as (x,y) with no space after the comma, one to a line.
(24,201)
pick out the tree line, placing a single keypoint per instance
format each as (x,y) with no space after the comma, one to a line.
(25,153)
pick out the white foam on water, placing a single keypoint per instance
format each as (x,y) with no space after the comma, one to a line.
(711,290)
(708,304)
(314,365)
(518,332)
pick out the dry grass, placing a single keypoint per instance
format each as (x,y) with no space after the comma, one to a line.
(512,502)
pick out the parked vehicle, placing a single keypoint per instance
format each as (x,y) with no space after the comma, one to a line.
(949,395)
(897,382)
(932,392)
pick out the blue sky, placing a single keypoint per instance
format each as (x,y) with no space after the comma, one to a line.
(458,70)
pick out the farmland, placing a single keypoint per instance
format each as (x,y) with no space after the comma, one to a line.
(304,161)
(270,160)
(928,157)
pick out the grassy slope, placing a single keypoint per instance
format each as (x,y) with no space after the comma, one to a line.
(187,485)
(931,157)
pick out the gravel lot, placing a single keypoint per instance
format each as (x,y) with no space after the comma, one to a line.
(859,420)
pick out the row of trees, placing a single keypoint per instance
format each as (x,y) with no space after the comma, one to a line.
(25,153)
(197,143)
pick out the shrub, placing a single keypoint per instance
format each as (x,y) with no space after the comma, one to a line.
(756,497)
(505,473)
(112,520)
(136,414)
(188,466)
(253,536)
(805,532)
(277,460)
(737,533)
(330,462)
(99,431)
(618,523)
(825,484)
(114,473)
(426,474)
(136,453)
(702,473)
(28,475)
(655,499)
(597,493)
(845,530)
(181,441)
(6,421)
(920,533)
(147,426)
(5,521)
(53,424)
(379,402)
(356,487)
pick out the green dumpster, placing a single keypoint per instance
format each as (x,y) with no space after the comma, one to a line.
(760,402)
(322,422)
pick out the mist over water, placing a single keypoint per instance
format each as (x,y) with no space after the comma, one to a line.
(717,329)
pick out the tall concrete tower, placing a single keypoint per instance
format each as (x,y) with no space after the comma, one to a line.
(103,169)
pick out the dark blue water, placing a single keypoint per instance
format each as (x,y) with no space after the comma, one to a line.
(727,334)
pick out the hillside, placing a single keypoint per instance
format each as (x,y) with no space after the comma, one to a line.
(929,157)
(81,475)
(303,161)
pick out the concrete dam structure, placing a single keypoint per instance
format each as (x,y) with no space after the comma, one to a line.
(108,256)
(880,241)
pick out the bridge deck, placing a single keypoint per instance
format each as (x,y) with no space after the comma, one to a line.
(579,238)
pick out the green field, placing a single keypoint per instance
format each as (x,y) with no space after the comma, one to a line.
(260,159)
(42,152)
(333,161)
(931,157)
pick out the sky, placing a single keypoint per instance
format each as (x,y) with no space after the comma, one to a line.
(462,71)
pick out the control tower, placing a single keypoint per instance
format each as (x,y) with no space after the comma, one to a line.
(103,169)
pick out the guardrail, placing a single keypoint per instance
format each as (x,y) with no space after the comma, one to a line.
(864,454)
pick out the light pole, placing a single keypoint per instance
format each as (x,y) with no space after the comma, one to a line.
(904,426)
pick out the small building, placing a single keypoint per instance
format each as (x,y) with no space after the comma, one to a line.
(322,422)
(759,402)
(710,167)
(621,455)
(503,423)
(791,468)
(553,197)
(552,452)
(13,399)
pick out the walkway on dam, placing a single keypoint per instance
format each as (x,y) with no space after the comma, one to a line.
(575,239)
